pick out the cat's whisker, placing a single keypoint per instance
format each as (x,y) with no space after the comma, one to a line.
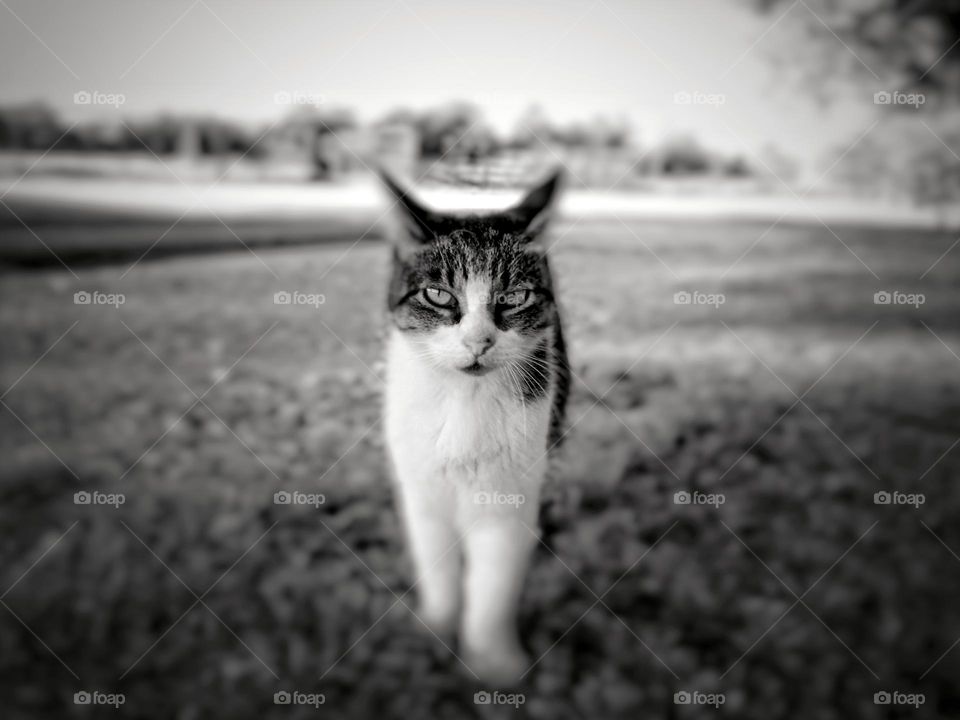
(530,379)
(538,375)
(429,355)
(515,382)
(546,363)
(546,368)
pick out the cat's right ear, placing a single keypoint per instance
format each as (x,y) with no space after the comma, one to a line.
(417,223)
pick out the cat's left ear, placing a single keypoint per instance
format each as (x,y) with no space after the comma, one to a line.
(533,212)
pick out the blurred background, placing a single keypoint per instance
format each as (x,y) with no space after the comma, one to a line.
(754,512)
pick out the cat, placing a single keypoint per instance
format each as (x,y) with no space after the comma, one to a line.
(477,381)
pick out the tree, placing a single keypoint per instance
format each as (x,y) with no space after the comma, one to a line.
(32,126)
(684,155)
(866,168)
(935,180)
(908,44)
(444,128)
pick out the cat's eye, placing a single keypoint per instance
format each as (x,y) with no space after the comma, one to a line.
(514,299)
(440,298)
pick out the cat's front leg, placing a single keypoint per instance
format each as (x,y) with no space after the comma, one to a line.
(498,549)
(435,549)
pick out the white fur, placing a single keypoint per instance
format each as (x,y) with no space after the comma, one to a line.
(453,437)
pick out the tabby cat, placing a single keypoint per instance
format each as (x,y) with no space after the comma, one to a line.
(477,379)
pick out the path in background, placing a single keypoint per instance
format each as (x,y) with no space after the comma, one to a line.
(104,219)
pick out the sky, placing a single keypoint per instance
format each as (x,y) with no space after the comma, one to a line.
(624,59)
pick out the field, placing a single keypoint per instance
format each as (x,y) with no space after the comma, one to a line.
(198,398)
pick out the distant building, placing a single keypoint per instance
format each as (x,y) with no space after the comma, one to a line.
(396,145)
(327,147)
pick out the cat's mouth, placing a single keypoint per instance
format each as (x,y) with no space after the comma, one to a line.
(476,369)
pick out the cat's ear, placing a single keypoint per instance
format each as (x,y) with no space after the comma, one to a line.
(418,223)
(533,212)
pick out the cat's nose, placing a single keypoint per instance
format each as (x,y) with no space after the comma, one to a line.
(479,344)
(477,333)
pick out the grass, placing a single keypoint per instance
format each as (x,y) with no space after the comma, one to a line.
(797,597)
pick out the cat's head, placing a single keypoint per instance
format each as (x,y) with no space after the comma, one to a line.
(473,293)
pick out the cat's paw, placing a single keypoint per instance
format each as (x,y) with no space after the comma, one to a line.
(502,665)
(441,622)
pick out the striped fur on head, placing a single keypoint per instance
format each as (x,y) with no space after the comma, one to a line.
(475,292)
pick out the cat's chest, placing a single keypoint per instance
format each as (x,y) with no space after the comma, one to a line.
(476,421)
(442,421)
